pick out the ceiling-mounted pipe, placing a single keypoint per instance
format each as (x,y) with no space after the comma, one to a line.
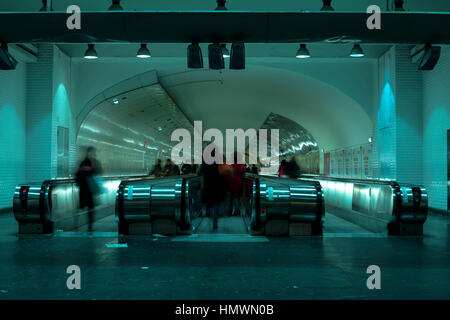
(221,5)
(327,6)
(47,5)
(115,5)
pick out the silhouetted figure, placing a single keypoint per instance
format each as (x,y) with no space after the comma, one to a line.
(175,169)
(235,186)
(89,187)
(168,170)
(157,168)
(214,190)
(283,168)
(254,169)
(292,169)
(186,168)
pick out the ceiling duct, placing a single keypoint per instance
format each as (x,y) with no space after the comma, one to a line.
(215,56)
(237,57)
(194,56)
(115,6)
(7,61)
(327,6)
(47,5)
(221,5)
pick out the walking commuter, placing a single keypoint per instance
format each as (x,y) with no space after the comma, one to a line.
(89,186)
(226,170)
(282,169)
(236,186)
(214,191)
(168,168)
(292,169)
(175,169)
(186,168)
(157,168)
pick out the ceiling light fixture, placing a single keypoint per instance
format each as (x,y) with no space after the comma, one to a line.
(237,56)
(215,57)
(327,6)
(302,52)
(225,52)
(7,61)
(47,5)
(399,5)
(116,101)
(115,5)
(357,51)
(90,52)
(194,56)
(221,5)
(143,52)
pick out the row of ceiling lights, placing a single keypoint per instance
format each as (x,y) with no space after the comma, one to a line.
(303,52)
(143,52)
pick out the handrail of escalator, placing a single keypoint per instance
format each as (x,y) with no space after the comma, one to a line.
(292,200)
(33,204)
(168,198)
(404,208)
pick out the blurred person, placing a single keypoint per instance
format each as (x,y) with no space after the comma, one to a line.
(175,169)
(186,168)
(282,169)
(235,186)
(226,170)
(89,186)
(214,189)
(292,169)
(157,168)
(168,168)
(254,169)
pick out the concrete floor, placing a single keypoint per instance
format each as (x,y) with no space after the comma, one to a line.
(225,265)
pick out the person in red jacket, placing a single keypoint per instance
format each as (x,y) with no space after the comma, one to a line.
(236,186)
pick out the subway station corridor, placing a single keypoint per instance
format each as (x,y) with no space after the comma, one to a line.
(238,152)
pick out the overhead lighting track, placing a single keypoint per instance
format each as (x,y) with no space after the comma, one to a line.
(206,27)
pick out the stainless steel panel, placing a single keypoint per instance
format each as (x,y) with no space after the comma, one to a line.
(129,136)
(193,195)
(32,211)
(56,202)
(165,200)
(294,141)
(136,203)
(375,204)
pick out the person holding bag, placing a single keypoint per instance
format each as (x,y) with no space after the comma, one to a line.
(86,180)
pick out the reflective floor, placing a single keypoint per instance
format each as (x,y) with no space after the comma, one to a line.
(225,265)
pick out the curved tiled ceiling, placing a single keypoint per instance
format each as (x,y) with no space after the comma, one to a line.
(244,99)
(130,134)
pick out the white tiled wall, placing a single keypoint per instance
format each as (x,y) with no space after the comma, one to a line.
(436,122)
(39,116)
(385,133)
(408,117)
(12,132)
(62,108)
